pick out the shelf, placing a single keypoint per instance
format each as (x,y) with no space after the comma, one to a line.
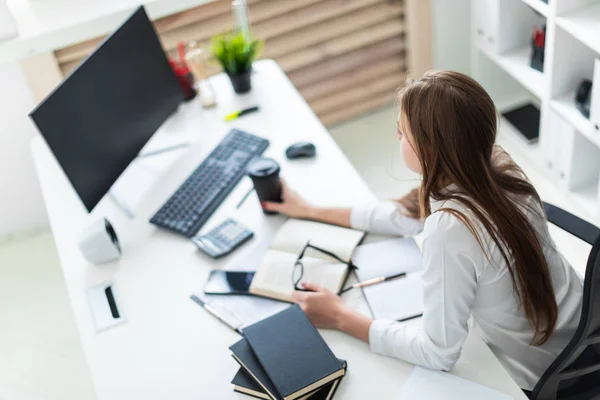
(538,5)
(510,103)
(516,64)
(509,133)
(583,25)
(564,105)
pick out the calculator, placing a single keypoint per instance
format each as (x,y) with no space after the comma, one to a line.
(223,239)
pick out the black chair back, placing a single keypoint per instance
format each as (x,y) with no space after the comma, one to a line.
(575,374)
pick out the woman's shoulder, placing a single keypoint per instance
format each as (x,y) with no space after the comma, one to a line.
(452,222)
(453,228)
(447,235)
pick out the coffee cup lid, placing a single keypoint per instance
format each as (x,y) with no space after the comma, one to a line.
(263,167)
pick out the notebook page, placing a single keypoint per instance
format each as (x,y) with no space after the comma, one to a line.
(294,233)
(274,276)
(398,299)
(385,258)
(436,385)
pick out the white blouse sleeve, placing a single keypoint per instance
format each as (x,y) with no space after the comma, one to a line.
(451,257)
(384,218)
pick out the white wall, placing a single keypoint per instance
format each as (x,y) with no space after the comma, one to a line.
(21,205)
(451,21)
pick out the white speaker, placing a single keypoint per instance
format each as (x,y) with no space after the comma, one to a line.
(99,242)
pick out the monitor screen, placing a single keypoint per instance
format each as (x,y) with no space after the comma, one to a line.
(104,112)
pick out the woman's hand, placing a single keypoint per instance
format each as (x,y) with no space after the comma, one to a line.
(292,204)
(323,307)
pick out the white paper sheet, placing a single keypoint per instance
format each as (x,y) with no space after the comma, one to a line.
(398,299)
(386,258)
(436,385)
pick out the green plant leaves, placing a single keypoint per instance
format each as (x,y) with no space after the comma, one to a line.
(235,53)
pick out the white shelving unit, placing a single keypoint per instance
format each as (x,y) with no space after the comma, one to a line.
(583,24)
(563,105)
(516,64)
(568,150)
(539,6)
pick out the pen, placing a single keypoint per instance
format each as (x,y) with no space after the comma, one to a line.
(375,281)
(237,114)
(245,197)
(215,314)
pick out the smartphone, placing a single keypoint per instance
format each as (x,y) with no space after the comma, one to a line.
(228,282)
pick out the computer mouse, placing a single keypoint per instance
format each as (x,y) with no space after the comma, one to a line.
(301,150)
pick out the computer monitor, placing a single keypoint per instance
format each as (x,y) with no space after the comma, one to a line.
(99,118)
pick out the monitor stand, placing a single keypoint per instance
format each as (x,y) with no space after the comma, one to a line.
(114,195)
(163,150)
(121,205)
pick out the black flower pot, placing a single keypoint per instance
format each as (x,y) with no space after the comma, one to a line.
(241,82)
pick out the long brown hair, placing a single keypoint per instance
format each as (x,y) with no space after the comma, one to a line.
(453,123)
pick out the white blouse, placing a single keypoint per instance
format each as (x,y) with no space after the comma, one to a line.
(459,283)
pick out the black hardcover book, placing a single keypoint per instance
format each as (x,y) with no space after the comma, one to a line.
(292,353)
(243,383)
(243,354)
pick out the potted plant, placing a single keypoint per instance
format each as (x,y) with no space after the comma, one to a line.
(235,53)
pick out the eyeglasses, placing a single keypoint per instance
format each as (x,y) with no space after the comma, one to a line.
(298,271)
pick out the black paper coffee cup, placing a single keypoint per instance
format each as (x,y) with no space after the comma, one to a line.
(264,173)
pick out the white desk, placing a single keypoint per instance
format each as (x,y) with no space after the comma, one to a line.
(170,348)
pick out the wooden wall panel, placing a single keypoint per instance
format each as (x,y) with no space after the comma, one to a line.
(349,111)
(355,94)
(345,26)
(342,45)
(346,57)
(386,67)
(322,71)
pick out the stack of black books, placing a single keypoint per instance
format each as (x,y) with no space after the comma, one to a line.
(285,358)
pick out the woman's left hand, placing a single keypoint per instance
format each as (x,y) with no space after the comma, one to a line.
(323,307)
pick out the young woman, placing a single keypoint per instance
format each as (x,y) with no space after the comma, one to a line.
(487,253)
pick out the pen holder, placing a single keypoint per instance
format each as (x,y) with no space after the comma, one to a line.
(185,78)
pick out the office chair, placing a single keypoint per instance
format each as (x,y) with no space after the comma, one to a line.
(575,374)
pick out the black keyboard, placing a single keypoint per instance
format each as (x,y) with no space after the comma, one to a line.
(199,196)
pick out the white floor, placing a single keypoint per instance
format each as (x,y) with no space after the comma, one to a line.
(40,353)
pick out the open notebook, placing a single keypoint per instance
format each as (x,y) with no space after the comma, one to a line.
(273,277)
